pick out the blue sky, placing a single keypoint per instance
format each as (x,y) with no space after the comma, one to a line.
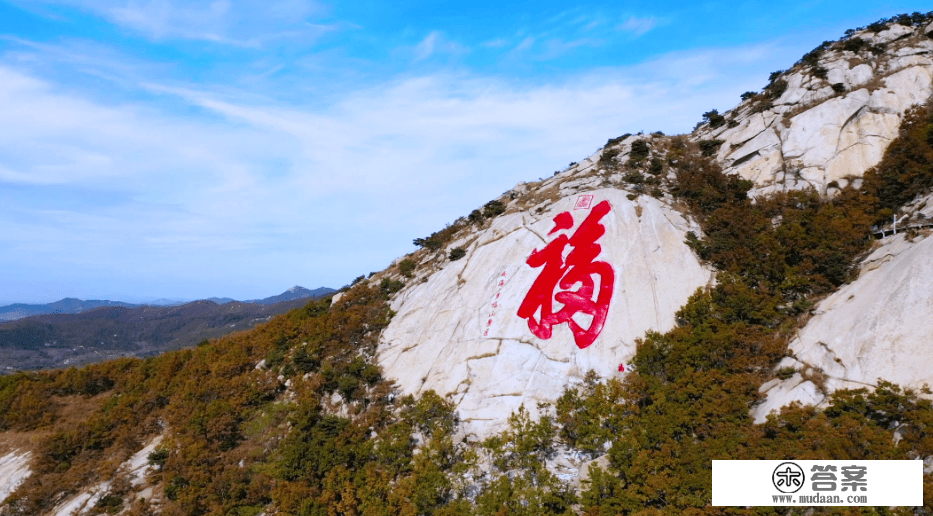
(169,149)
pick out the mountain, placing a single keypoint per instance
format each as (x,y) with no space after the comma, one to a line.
(103,333)
(79,332)
(295,292)
(220,300)
(69,305)
(584,344)
(73,305)
(822,125)
(460,334)
(819,125)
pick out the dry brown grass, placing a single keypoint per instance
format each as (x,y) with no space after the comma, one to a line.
(22,441)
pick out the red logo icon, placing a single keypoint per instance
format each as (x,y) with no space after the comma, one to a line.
(583,202)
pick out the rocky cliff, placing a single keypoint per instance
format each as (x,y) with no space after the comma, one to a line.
(460,329)
(463,331)
(828,119)
(879,327)
(735,267)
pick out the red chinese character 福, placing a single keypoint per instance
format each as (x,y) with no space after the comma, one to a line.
(578,267)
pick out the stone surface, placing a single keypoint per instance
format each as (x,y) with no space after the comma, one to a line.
(14,468)
(812,136)
(459,334)
(782,393)
(878,327)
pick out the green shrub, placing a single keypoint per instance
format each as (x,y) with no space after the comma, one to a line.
(709,147)
(275,357)
(879,25)
(639,151)
(777,88)
(428,243)
(389,286)
(620,139)
(174,487)
(406,267)
(656,166)
(607,158)
(158,457)
(855,45)
(521,484)
(439,238)
(110,504)
(493,208)
(906,170)
(812,58)
(306,359)
(839,87)
(457,253)
(713,119)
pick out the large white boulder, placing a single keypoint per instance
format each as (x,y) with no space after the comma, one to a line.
(812,135)
(878,327)
(460,332)
(14,468)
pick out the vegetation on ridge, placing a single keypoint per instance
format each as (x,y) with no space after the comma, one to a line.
(689,399)
(849,42)
(316,430)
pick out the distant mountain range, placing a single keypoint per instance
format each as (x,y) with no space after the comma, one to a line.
(71,305)
(83,332)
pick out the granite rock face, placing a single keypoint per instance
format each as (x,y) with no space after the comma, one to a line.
(824,132)
(460,328)
(460,333)
(878,327)
(14,468)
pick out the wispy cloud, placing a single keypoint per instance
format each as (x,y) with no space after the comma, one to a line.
(246,23)
(235,181)
(638,26)
(525,44)
(554,48)
(496,43)
(435,43)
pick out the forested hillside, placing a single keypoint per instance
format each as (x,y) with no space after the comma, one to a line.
(59,340)
(296,417)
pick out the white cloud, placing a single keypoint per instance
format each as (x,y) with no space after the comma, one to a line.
(525,44)
(426,47)
(320,192)
(496,43)
(638,26)
(237,22)
(436,43)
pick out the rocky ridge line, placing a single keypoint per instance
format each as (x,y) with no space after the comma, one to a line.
(829,118)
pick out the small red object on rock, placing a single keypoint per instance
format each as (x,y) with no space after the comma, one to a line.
(621,368)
